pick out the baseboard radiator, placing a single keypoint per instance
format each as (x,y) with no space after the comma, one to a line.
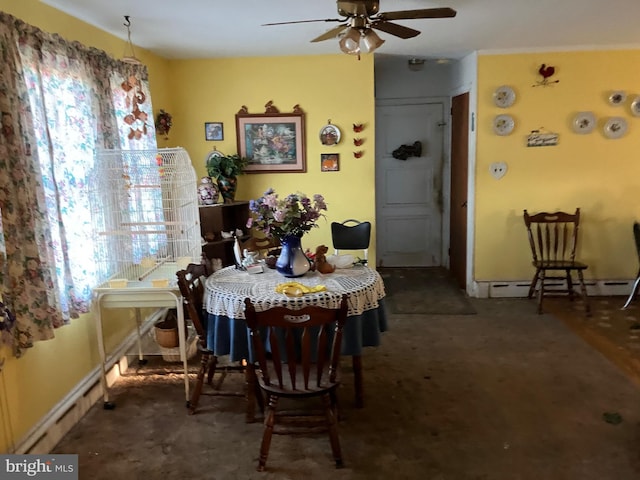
(61,418)
(515,289)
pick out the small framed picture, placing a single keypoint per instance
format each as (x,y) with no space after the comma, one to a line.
(213,131)
(329,162)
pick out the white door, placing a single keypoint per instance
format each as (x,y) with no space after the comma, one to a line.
(409,192)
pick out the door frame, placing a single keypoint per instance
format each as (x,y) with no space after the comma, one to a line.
(459,188)
(446,163)
(470,88)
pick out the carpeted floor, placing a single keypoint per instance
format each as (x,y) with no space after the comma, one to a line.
(502,394)
(428,291)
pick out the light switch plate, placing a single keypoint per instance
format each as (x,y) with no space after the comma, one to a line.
(498,170)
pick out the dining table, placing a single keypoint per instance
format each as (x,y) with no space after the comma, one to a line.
(227,288)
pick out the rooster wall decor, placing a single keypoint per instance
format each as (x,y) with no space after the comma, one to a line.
(546,71)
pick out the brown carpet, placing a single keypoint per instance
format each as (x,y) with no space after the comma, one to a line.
(428,291)
(503,394)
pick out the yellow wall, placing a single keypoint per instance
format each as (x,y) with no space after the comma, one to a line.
(335,87)
(34,383)
(338,88)
(587,171)
(599,175)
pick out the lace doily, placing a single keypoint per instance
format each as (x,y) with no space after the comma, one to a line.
(226,290)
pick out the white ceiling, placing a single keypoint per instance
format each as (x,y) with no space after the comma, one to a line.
(222,28)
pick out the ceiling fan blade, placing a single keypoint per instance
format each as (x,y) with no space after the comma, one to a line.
(305,21)
(329,34)
(414,14)
(395,29)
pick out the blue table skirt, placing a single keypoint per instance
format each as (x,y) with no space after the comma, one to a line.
(227,336)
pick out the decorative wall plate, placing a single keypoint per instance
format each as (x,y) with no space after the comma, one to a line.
(212,153)
(330,135)
(503,124)
(504,96)
(615,127)
(584,122)
(635,106)
(617,98)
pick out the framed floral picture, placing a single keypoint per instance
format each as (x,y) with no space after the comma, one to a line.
(213,131)
(329,162)
(273,142)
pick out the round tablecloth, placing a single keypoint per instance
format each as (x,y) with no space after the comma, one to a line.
(226,290)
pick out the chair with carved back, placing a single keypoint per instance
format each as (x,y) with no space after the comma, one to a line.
(298,358)
(351,235)
(636,283)
(191,287)
(553,238)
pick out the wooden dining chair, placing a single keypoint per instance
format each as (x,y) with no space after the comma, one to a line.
(553,238)
(351,235)
(636,283)
(302,361)
(192,290)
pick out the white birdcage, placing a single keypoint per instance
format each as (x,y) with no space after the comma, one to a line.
(144,209)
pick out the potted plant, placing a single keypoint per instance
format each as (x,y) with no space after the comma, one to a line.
(225,169)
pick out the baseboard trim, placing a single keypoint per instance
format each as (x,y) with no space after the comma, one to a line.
(63,416)
(520,288)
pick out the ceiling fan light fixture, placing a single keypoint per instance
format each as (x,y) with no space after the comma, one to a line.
(358,17)
(371,40)
(350,41)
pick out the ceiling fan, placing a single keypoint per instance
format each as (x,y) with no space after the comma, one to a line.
(360,17)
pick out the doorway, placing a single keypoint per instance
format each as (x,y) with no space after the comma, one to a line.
(409,192)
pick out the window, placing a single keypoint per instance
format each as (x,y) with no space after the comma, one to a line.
(63,101)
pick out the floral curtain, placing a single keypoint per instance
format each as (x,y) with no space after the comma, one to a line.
(60,102)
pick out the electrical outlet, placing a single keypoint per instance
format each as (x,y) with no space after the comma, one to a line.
(498,170)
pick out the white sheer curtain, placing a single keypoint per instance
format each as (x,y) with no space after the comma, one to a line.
(60,101)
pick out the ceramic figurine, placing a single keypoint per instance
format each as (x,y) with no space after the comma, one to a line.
(320,260)
(250,258)
(237,252)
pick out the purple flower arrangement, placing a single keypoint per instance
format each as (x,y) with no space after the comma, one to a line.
(295,214)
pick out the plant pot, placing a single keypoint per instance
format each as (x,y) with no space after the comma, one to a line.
(166,337)
(166,330)
(227,187)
